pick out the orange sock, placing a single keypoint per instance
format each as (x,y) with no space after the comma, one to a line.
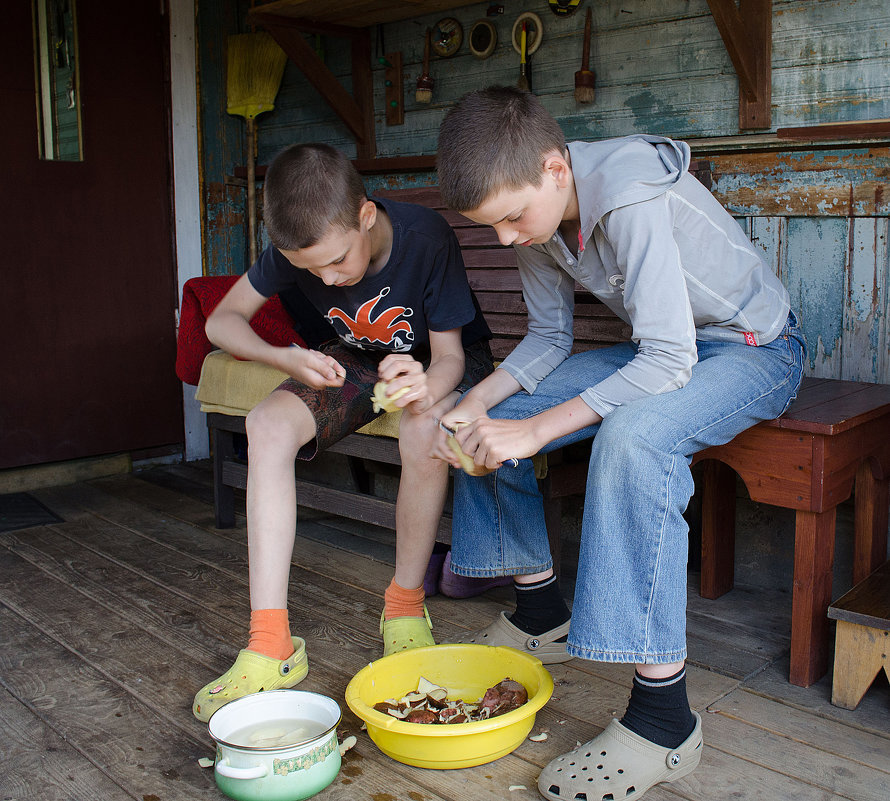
(270,633)
(399,602)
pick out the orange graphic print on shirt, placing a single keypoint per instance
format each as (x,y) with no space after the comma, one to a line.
(385,329)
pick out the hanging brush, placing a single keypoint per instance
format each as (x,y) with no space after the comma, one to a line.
(585,78)
(425,82)
(522,83)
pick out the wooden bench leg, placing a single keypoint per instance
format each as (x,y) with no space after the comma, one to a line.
(362,478)
(717,529)
(223,443)
(872,504)
(859,655)
(813,562)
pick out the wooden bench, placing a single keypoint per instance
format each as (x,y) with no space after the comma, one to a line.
(836,433)
(492,273)
(862,640)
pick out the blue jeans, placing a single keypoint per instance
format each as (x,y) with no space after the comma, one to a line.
(630,593)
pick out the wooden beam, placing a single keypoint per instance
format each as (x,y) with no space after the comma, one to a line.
(737,41)
(756,112)
(363,91)
(259,17)
(855,129)
(395,164)
(746,31)
(373,166)
(357,111)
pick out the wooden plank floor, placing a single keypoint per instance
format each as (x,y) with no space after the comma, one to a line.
(112,619)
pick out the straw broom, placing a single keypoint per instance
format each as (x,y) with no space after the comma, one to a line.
(255,66)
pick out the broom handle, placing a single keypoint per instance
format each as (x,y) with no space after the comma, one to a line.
(585,58)
(251,189)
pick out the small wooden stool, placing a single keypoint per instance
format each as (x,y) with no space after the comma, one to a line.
(862,642)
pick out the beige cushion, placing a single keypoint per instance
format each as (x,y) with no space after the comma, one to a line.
(231,386)
(234,387)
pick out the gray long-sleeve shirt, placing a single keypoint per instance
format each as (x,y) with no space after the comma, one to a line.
(662,253)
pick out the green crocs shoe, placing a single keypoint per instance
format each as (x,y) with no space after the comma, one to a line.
(404,633)
(251,673)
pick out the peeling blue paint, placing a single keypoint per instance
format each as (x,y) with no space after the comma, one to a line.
(656,115)
(815,255)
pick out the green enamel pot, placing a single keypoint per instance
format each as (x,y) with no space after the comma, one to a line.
(247,768)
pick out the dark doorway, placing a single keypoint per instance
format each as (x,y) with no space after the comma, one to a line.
(88,287)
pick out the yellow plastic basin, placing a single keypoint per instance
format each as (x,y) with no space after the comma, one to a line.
(467,671)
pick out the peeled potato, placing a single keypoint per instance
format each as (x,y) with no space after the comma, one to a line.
(383,402)
(466,463)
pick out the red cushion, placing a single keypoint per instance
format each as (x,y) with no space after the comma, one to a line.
(199,298)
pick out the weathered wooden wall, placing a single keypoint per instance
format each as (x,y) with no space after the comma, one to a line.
(661,67)
(819,212)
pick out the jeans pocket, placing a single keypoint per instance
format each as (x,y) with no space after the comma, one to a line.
(796,351)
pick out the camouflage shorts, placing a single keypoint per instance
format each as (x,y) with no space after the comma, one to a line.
(339,411)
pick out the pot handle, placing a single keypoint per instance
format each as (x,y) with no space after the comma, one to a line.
(256,772)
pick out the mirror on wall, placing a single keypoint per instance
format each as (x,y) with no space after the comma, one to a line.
(60,135)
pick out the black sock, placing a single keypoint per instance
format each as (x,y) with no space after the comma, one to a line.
(539,607)
(659,710)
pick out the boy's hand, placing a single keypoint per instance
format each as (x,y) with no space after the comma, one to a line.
(492,442)
(467,411)
(401,370)
(312,368)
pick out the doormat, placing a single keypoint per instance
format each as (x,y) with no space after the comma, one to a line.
(21,510)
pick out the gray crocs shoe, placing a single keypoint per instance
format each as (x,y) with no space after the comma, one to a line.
(503,632)
(618,764)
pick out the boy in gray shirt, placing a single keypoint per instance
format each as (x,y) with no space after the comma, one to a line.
(714,350)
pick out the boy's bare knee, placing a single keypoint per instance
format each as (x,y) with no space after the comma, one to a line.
(416,436)
(279,423)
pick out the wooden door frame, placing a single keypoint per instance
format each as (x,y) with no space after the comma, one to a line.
(186,190)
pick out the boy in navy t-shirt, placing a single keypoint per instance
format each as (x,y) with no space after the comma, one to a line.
(378,290)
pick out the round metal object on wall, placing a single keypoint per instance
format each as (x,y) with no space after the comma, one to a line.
(483,38)
(562,8)
(534,32)
(448,34)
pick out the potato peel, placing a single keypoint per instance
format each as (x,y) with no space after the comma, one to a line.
(434,707)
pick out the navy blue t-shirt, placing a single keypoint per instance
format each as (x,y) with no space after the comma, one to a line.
(423,287)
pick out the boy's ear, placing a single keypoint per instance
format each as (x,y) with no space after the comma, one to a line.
(556,166)
(367,215)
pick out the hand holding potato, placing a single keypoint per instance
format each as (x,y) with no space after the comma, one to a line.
(466,462)
(383,402)
(404,377)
